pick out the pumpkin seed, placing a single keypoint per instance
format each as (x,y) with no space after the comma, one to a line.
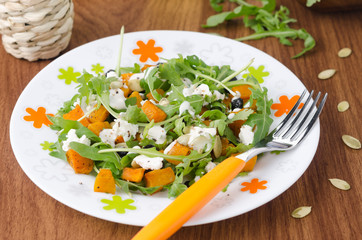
(116,84)
(344,52)
(301,212)
(186,129)
(164,102)
(340,184)
(134,164)
(351,142)
(326,73)
(343,106)
(217,146)
(184,139)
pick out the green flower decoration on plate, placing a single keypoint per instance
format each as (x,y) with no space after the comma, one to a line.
(46,145)
(97,68)
(118,204)
(68,75)
(258,73)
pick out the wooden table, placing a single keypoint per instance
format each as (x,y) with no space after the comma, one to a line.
(26,212)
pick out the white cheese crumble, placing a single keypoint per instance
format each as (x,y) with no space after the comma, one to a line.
(218,95)
(72,137)
(120,128)
(247,105)
(186,106)
(157,133)
(210,165)
(148,162)
(246,135)
(201,137)
(117,99)
(111,74)
(202,89)
(169,147)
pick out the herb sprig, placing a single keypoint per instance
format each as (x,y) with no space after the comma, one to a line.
(266,21)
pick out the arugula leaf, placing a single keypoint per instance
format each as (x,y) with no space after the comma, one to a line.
(179,126)
(135,115)
(220,125)
(127,186)
(215,5)
(214,115)
(177,187)
(67,106)
(92,153)
(242,115)
(266,22)
(261,119)
(311,2)
(132,101)
(58,151)
(61,123)
(168,71)
(88,133)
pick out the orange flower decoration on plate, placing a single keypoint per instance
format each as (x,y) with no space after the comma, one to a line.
(254,185)
(39,117)
(147,50)
(285,105)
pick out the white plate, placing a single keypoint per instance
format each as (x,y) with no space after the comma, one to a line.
(56,177)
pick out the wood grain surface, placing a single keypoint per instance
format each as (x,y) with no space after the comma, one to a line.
(26,212)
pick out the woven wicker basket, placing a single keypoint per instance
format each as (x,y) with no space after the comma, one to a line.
(36,29)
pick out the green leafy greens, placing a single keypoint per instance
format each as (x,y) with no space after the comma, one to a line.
(265,21)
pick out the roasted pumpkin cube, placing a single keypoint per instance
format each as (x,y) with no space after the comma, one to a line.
(98,115)
(75,114)
(105,182)
(243,90)
(160,177)
(133,174)
(97,127)
(153,112)
(78,163)
(178,150)
(138,97)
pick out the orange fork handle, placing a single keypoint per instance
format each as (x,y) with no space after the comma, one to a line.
(191,201)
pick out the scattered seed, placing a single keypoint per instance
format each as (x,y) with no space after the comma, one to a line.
(326,74)
(351,142)
(343,106)
(301,212)
(217,147)
(340,184)
(344,52)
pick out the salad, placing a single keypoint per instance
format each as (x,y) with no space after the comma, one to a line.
(160,127)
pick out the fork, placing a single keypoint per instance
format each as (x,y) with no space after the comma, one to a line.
(287,135)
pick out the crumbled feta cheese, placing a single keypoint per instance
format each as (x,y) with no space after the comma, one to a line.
(169,147)
(203,90)
(72,137)
(111,74)
(117,99)
(148,162)
(120,128)
(185,106)
(137,76)
(108,136)
(125,129)
(188,91)
(157,133)
(210,165)
(246,135)
(201,137)
(218,95)
(237,95)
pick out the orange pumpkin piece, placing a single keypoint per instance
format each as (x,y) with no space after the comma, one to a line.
(150,96)
(126,91)
(224,146)
(138,97)
(160,177)
(227,101)
(105,182)
(207,122)
(243,90)
(153,112)
(119,139)
(133,174)
(126,77)
(146,66)
(98,115)
(75,114)
(178,150)
(78,163)
(97,127)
